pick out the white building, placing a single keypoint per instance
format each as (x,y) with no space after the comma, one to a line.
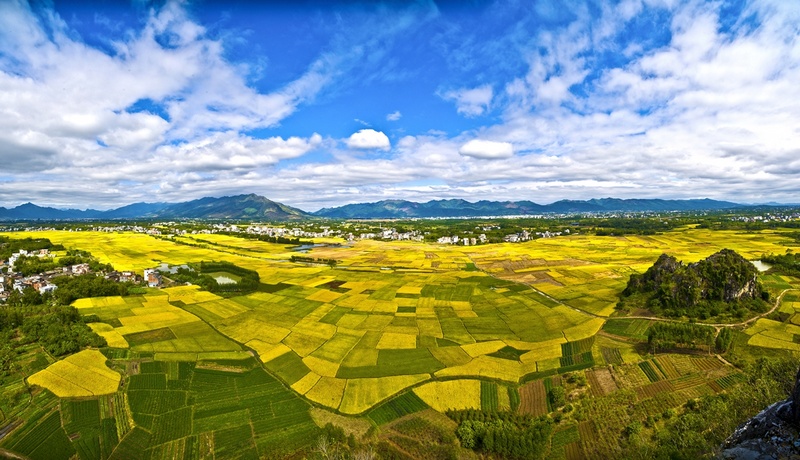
(152,277)
(44,289)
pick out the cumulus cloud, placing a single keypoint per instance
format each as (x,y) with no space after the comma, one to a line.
(471,102)
(57,90)
(368,139)
(394,116)
(234,151)
(710,110)
(488,150)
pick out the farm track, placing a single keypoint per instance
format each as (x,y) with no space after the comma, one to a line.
(718,326)
(9,454)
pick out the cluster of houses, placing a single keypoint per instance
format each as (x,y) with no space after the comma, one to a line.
(388,234)
(41,282)
(527,236)
(768,217)
(10,280)
(455,239)
(511,238)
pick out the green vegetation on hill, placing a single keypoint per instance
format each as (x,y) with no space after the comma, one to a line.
(725,283)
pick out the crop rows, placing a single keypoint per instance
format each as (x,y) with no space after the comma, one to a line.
(577,347)
(566,436)
(649,371)
(706,364)
(108,437)
(489,399)
(36,436)
(633,328)
(79,415)
(573,360)
(172,425)
(513,398)
(533,398)
(730,380)
(148,382)
(135,443)
(653,389)
(667,367)
(406,403)
(611,355)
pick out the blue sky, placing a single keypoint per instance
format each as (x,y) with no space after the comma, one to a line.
(319,104)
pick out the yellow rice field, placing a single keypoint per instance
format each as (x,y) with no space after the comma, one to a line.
(451,394)
(82,374)
(399,305)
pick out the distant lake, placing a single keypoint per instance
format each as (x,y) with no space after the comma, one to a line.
(761,266)
(304,248)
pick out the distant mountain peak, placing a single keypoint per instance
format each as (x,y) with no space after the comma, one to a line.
(252,206)
(399,209)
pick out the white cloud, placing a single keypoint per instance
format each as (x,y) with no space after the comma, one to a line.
(713,111)
(471,102)
(56,90)
(233,151)
(489,150)
(394,116)
(368,139)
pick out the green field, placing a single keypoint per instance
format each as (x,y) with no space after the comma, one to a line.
(487,327)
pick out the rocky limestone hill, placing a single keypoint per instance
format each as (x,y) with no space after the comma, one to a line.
(723,281)
(772,434)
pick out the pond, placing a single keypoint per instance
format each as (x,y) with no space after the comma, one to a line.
(221,279)
(761,266)
(172,269)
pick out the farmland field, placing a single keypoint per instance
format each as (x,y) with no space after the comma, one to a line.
(393,329)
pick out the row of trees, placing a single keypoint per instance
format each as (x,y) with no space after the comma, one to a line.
(787,264)
(310,260)
(267,238)
(666,336)
(249,280)
(9,246)
(31,265)
(508,435)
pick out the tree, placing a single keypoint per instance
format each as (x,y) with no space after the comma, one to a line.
(557,396)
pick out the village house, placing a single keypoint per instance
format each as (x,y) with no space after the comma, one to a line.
(152,277)
(80,269)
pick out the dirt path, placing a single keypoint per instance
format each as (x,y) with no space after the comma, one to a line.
(8,454)
(720,325)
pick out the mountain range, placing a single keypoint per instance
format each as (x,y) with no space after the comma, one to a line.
(247,207)
(255,207)
(390,209)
